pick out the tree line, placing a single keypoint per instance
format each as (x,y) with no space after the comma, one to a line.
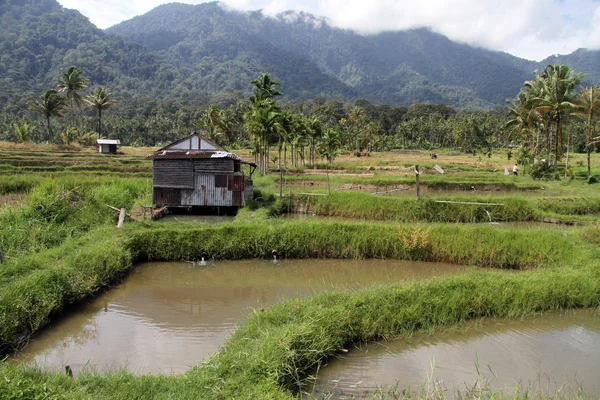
(66,100)
(551,116)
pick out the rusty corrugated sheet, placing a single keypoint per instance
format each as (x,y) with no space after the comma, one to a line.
(236,183)
(237,198)
(166,196)
(206,194)
(221,181)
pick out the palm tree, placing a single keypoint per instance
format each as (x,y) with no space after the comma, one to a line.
(212,121)
(589,101)
(264,88)
(356,118)
(315,131)
(50,104)
(100,98)
(557,100)
(263,117)
(71,82)
(329,148)
(23,131)
(261,123)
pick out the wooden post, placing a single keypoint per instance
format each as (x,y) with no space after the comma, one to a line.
(417,182)
(1,256)
(121,218)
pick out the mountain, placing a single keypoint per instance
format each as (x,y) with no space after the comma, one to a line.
(581,60)
(207,53)
(40,38)
(392,67)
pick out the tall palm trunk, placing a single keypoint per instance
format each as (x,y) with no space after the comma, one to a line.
(589,132)
(49,128)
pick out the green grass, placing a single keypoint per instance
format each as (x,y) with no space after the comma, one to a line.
(61,247)
(271,355)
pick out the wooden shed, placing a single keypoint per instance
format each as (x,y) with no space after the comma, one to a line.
(108,146)
(195,171)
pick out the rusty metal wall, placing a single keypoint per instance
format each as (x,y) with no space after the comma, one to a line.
(167,196)
(206,194)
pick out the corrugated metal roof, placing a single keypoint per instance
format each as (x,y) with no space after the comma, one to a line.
(108,141)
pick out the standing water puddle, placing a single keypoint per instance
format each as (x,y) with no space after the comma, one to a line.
(538,353)
(168,317)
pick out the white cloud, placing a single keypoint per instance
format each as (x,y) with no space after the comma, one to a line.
(531,29)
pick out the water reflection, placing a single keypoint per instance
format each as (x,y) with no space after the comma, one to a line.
(167,317)
(543,352)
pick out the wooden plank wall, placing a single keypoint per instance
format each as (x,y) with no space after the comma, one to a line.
(173,174)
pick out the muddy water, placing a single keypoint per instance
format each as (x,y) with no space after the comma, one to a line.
(543,352)
(167,317)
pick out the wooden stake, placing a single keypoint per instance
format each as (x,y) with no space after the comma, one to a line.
(121,218)
(417,182)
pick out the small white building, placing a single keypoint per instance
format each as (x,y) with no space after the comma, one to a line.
(108,146)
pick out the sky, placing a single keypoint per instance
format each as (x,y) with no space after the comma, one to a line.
(532,29)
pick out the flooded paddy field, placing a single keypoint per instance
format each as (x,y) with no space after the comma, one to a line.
(553,352)
(168,317)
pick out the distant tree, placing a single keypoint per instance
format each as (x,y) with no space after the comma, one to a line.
(100,98)
(263,117)
(315,131)
(23,131)
(71,82)
(329,148)
(556,100)
(49,104)
(589,101)
(264,88)
(69,135)
(212,122)
(356,119)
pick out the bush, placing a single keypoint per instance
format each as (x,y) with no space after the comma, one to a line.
(544,171)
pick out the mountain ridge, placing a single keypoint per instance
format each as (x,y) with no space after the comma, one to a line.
(209,53)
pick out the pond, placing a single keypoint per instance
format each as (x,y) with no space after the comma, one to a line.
(168,317)
(551,352)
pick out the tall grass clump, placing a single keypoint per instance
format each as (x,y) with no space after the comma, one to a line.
(487,246)
(17,183)
(35,287)
(57,210)
(366,206)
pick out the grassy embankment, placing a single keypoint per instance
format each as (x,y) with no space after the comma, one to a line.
(270,356)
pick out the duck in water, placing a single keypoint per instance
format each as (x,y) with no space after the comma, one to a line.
(274,253)
(204,259)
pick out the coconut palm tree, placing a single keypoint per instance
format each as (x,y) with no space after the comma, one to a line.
(100,98)
(556,99)
(356,118)
(71,82)
(261,123)
(328,148)
(315,131)
(23,131)
(589,101)
(264,88)
(49,104)
(212,121)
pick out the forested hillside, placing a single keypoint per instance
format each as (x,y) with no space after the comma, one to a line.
(39,38)
(394,67)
